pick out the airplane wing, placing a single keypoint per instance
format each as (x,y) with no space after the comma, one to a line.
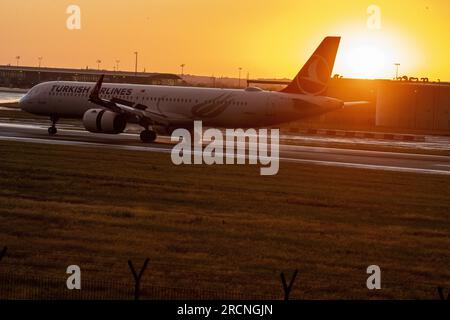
(136,110)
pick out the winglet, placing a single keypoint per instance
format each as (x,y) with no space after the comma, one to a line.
(96,91)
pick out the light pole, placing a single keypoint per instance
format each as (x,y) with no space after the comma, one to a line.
(98,64)
(136,63)
(397,65)
(39,72)
(240,70)
(182,68)
(18,58)
(117,65)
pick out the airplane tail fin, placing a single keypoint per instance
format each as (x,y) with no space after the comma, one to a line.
(314,76)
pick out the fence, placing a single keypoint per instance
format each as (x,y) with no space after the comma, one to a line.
(27,287)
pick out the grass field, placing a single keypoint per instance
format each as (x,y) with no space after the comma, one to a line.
(222,227)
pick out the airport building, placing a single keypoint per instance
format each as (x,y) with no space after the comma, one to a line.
(407,106)
(27,77)
(416,106)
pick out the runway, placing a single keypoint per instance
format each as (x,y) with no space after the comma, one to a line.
(374,160)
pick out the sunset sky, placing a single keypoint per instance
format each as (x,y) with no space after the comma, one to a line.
(268,39)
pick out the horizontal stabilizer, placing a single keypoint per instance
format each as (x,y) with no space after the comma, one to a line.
(356,103)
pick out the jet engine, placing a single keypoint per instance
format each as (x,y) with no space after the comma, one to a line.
(104,121)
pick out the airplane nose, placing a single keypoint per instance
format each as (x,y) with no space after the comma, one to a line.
(27,102)
(23,102)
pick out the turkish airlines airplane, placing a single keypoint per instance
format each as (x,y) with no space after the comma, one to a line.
(107,108)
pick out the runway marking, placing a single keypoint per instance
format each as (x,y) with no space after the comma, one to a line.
(367,153)
(370,166)
(9,109)
(84,144)
(168,150)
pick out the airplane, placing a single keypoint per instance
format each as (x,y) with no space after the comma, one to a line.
(108,107)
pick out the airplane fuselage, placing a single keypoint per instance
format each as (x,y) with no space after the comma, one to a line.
(107,108)
(226,108)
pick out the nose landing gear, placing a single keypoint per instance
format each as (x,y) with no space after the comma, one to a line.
(148,136)
(53,130)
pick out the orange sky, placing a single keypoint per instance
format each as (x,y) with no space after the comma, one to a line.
(214,37)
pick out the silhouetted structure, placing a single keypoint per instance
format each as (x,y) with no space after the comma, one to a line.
(414,105)
(26,77)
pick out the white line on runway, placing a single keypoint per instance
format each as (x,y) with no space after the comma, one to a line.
(443,165)
(85,144)
(369,166)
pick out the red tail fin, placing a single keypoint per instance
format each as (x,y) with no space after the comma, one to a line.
(314,76)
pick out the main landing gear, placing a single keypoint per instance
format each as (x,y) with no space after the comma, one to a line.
(53,130)
(148,136)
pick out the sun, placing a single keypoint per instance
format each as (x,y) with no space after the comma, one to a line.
(366,61)
(370,56)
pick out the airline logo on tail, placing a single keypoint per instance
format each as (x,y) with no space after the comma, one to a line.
(314,76)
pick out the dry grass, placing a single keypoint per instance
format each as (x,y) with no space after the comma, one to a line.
(222,228)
